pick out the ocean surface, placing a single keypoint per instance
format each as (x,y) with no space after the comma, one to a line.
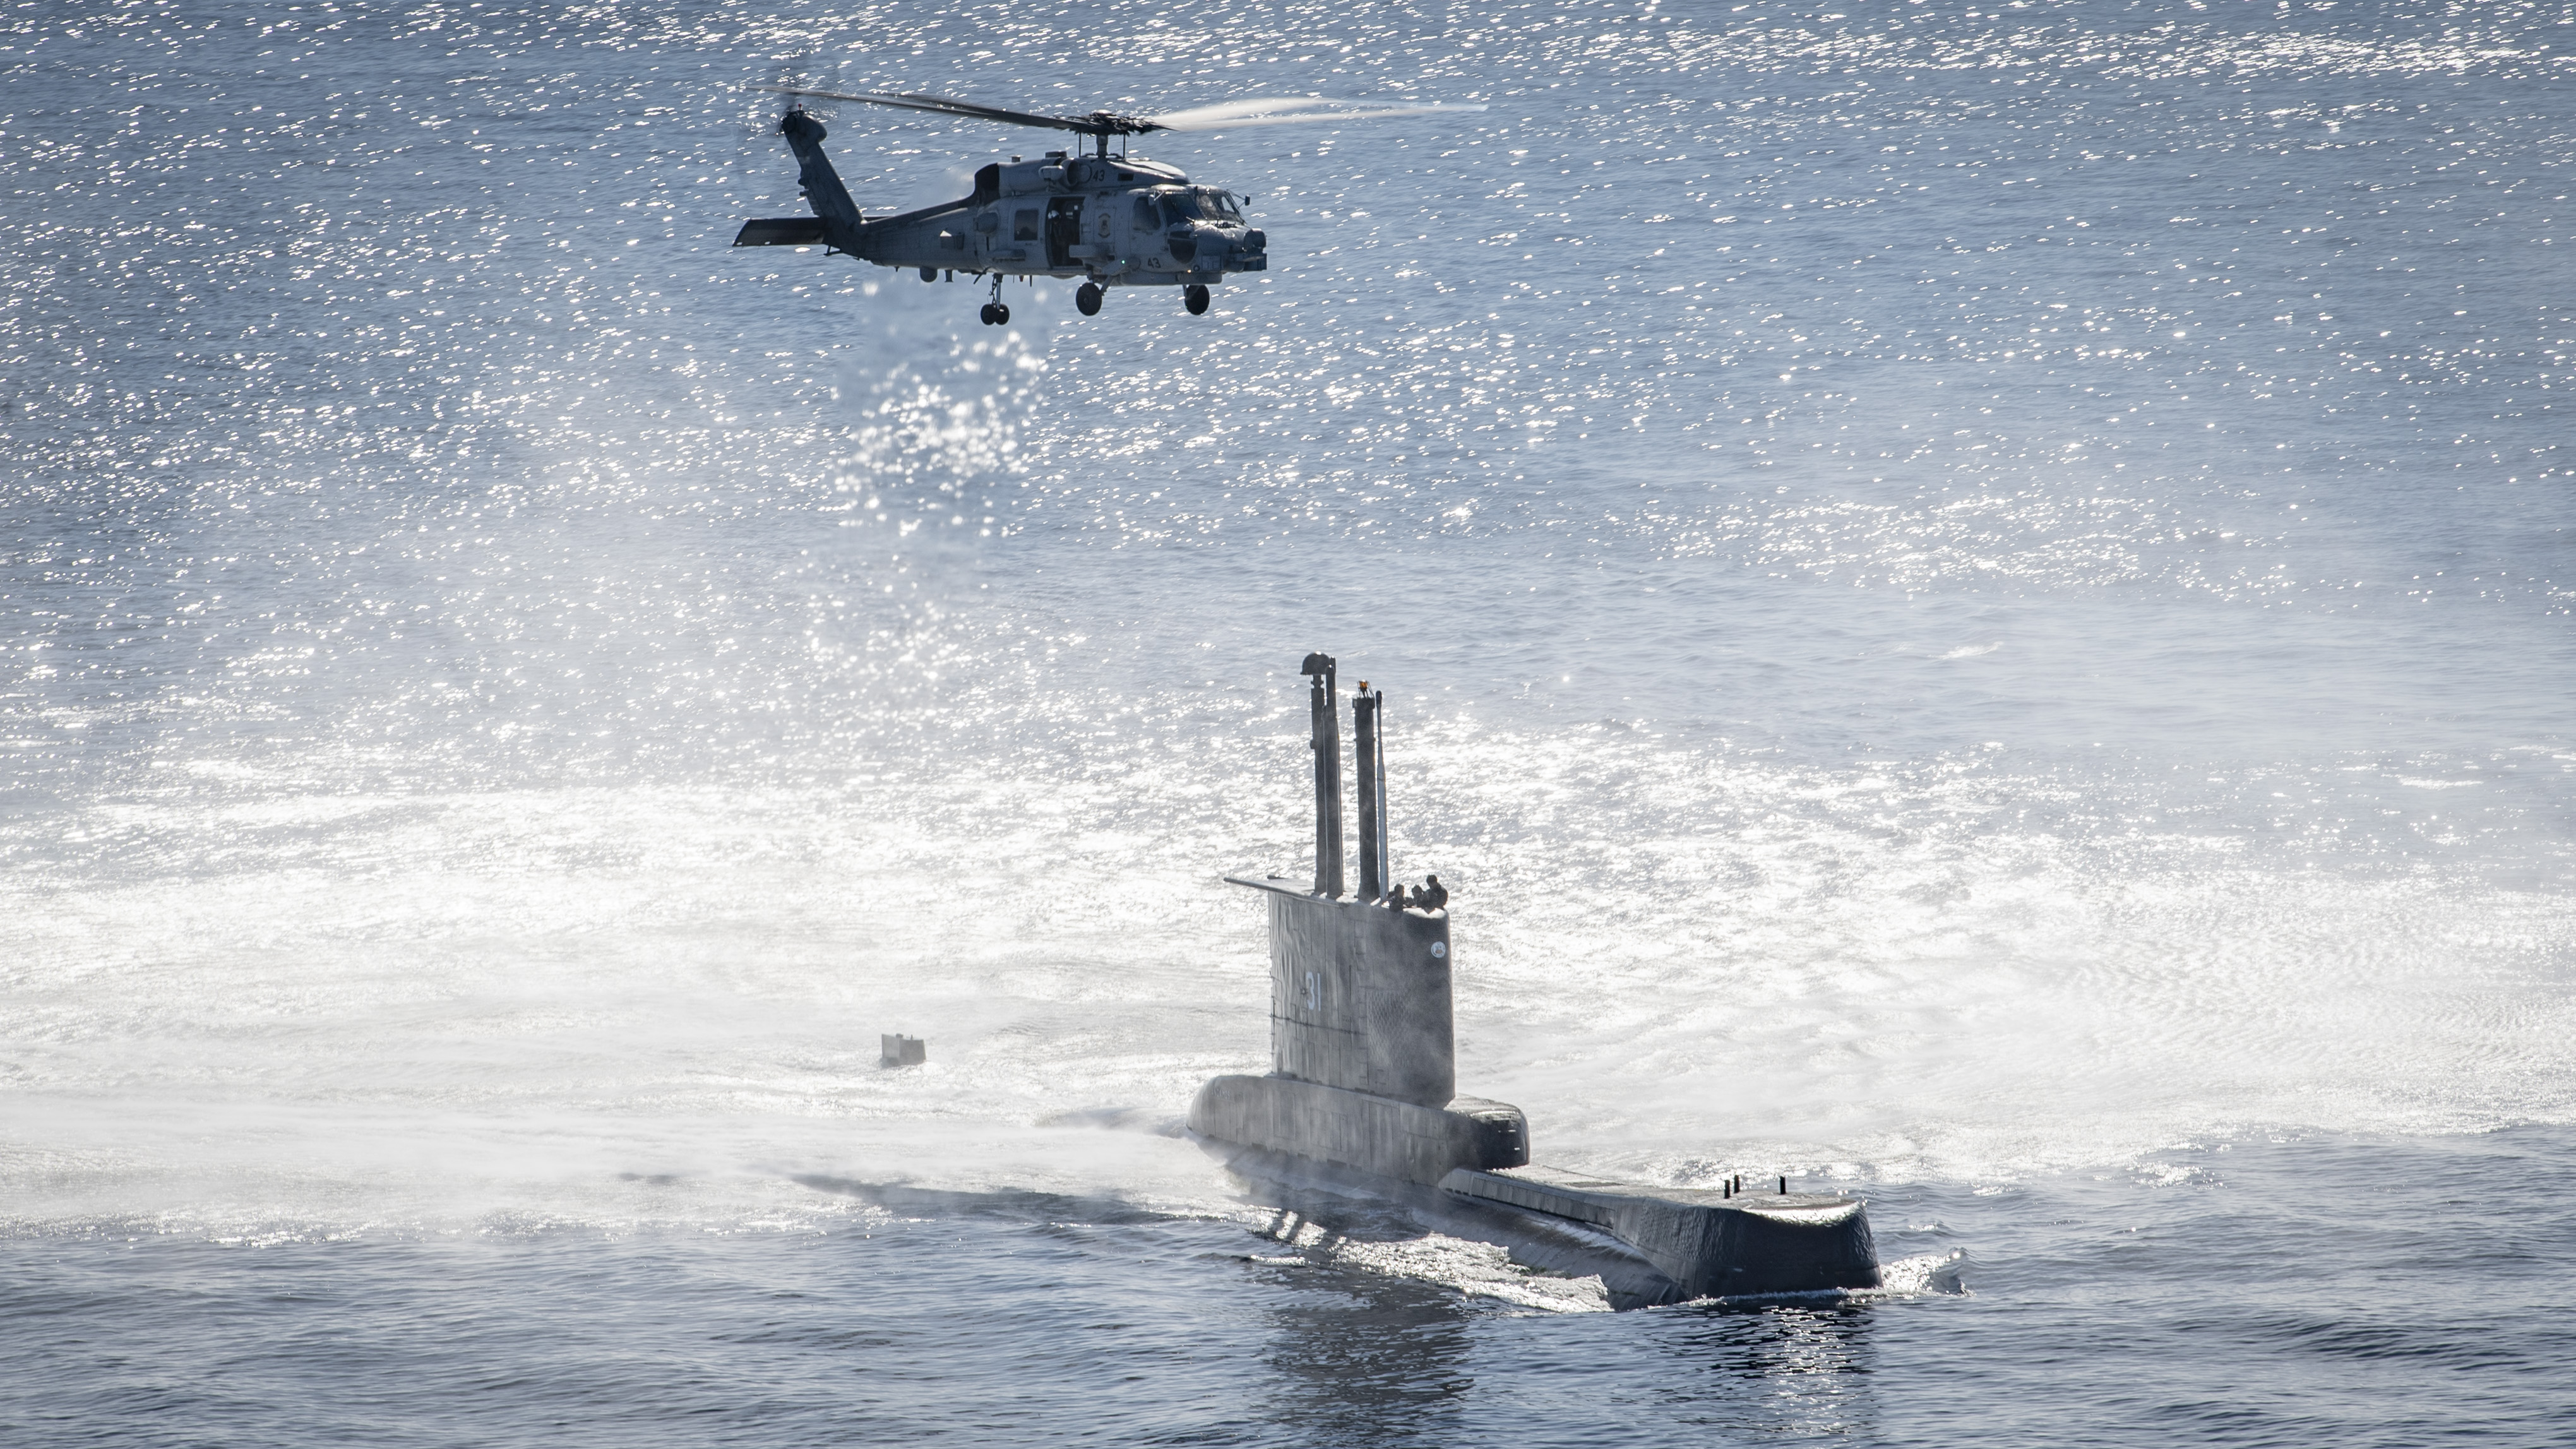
(1977,602)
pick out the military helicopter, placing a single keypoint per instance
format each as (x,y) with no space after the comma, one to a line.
(1107,218)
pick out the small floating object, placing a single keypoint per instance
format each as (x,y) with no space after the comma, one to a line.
(902,1051)
(1364,1071)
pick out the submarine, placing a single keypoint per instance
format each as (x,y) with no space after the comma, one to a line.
(1363,1074)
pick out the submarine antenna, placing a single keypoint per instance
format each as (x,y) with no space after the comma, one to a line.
(1370,759)
(1324,710)
(1377,772)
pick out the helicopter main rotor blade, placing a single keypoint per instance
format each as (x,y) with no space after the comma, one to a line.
(1097,124)
(1290,111)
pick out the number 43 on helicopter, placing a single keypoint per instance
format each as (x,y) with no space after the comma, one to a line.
(1107,218)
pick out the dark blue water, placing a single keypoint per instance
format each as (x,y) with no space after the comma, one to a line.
(1975,601)
(2295,1293)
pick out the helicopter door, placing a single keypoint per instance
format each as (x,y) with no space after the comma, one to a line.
(1063,229)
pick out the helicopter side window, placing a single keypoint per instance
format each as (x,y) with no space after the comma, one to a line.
(1148,217)
(1026,228)
(1180,206)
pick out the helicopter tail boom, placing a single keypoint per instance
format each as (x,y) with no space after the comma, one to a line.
(836,219)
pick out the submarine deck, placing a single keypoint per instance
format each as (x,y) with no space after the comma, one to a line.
(1598,1200)
(1711,1243)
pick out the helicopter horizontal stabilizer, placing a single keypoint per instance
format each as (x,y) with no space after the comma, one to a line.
(781,231)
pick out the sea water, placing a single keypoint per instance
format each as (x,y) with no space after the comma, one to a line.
(1975,606)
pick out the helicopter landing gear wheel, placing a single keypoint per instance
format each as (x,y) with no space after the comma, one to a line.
(1086,299)
(1195,297)
(995,314)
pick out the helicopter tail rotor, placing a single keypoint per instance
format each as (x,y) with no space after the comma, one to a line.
(786,80)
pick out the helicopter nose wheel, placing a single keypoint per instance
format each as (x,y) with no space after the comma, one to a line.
(1195,297)
(1086,299)
(995,314)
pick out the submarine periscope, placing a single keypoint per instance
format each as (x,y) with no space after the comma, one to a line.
(1364,1068)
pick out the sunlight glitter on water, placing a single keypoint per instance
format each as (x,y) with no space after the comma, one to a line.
(1973,600)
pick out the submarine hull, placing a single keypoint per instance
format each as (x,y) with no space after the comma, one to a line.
(1384,1135)
(1713,1246)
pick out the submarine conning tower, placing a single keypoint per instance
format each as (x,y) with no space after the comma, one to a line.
(1363,1056)
(1364,1067)
(1359,985)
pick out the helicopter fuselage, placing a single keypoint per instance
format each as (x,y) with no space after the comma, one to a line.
(1114,220)
(1109,220)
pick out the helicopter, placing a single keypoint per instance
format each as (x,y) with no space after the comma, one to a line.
(1108,218)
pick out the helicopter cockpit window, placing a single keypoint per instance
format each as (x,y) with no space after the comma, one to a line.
(1148,218)
(1026,227)
(1197,204)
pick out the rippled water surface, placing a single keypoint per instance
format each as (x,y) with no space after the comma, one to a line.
(1975,600)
